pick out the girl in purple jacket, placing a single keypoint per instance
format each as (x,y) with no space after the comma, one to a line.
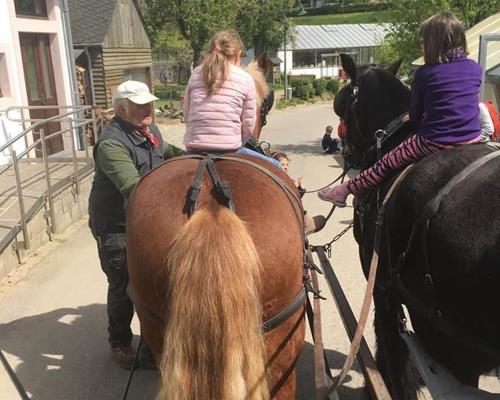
(444,106)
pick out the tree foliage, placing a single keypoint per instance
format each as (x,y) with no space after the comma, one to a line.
(407,15)
(197,20)
(259,22)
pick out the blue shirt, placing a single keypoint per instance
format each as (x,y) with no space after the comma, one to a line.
(445,101)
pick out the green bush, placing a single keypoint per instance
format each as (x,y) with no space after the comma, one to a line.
(303,89)
(319,86)
(333,85)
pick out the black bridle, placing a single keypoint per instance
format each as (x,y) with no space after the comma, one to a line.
(380,135)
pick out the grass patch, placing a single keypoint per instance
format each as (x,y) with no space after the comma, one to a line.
(371,17)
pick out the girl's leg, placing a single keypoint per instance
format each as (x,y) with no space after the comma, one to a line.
(244,150)
(411,150)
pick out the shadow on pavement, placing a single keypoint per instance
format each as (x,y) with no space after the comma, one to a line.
(64,355)
(305,374)
(312,147)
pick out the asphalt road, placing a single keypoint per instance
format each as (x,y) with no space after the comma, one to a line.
(53,313)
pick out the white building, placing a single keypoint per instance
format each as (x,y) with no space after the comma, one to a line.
(315,49)
(33,66)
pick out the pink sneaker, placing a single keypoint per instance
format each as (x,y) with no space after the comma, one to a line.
(336,195)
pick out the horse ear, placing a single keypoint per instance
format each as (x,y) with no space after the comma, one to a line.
(349,66)
(394,67)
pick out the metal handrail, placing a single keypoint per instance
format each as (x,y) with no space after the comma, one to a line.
(74,123)
(39,123)
(32,146)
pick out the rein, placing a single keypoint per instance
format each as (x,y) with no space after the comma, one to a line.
(365,308)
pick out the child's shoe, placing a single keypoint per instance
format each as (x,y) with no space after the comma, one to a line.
(336,194)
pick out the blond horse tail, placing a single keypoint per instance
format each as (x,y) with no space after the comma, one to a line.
(213,346)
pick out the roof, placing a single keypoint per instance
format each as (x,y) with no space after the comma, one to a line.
(487,26)
(90,20)
(345,36)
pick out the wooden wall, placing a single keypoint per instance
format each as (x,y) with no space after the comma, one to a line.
(116,61)
(98,75)
(126,28)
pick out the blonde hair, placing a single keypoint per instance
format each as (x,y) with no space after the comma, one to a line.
(439,34)
(261,86)
(223,46)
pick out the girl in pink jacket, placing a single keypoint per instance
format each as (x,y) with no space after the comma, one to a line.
(220,101)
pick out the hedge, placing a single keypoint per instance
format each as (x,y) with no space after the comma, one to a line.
(303,89)
(319,86)
(333,85)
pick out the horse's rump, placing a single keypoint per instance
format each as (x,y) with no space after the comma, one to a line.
(157,211)
(463,244)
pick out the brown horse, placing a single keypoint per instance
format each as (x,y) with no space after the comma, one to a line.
(215,276)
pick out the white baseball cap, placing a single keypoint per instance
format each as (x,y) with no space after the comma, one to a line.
(136,92)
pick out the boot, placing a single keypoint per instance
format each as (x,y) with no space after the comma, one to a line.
(336,194)
(124,356)
(313,224)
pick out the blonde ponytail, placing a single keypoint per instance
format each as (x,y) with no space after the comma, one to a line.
(224,46)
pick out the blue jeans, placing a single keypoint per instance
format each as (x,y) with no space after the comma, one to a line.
(244,150)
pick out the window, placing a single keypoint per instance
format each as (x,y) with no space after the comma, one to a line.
(35,8)
(304,58)
(4,78)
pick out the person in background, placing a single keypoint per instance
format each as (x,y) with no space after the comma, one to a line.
(128,148)
(442,121)
(487,127)
(330,145)
(341,131)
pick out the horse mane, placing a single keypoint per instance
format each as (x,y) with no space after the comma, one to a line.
(261,86)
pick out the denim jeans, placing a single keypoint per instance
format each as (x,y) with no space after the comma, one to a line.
(111,249)
(244,150)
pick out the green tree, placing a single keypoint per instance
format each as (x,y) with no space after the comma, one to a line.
(407,15)
(261,22)
(196,20)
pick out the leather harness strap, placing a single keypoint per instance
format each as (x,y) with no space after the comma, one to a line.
(291,308)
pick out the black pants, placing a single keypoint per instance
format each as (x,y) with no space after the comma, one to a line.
(111,248)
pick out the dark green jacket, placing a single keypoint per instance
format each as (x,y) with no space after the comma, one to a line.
(122,156)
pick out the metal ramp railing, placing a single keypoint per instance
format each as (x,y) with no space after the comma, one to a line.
(45,176)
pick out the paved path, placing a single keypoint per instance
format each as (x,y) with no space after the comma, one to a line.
(53,314)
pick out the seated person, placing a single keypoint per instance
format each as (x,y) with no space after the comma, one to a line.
(330,145)
(220,106)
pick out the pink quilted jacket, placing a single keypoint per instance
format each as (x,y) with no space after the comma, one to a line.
(224,121)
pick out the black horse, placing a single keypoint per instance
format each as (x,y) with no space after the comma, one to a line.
(453,297)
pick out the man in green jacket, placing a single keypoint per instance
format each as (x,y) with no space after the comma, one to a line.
(129,147)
